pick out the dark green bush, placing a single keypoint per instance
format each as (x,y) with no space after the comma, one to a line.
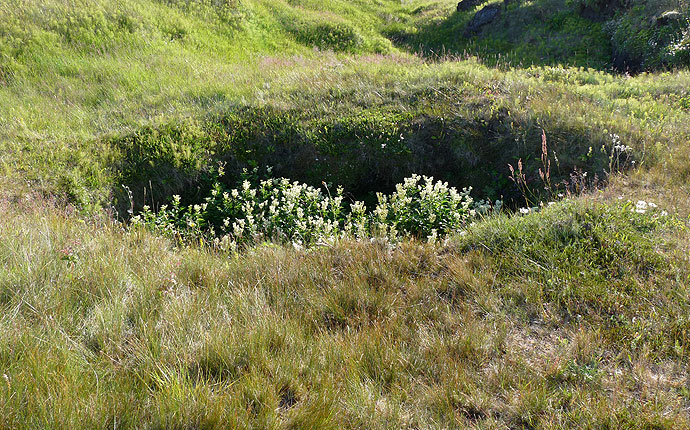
(166,160)
(366,152)
(643,41)
(336,36)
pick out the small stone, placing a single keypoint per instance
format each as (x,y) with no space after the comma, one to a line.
(485,16)
(466,5)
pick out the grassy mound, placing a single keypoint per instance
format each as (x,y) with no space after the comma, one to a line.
(629,36)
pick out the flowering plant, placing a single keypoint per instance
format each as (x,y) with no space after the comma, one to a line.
(285,211)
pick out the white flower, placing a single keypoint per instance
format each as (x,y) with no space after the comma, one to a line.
(433,237)
(524,211)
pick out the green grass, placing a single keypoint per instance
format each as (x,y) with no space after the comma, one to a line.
(83,86)
(574,315)
(385,117)
(71,74)
(547,32)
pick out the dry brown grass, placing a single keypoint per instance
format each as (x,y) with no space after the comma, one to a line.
(106,327)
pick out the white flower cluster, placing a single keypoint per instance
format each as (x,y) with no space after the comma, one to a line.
(276,210)
(301,214)
(419,207)
(621,156)
(642,207)
(617,146)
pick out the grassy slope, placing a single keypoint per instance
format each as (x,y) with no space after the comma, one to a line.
(73,73)
(78,73)
(572,316)
(547,32)
(584,33)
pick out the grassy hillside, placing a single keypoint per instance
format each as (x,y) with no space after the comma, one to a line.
(566,308)
(627,35)
(74,72)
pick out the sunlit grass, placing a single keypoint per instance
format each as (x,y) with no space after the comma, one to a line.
(516,323)
(568,315)
(76,74)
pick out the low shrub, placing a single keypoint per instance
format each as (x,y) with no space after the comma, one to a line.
(285,211)
(583,259)
(336,36)
(419,207)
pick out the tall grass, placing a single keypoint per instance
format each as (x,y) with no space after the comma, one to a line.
(573,315)
(546,321)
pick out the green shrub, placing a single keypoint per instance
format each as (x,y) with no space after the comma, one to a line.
(336,36)
(641,43)
(285,211)
(604,7)
(167,158)
(421,208)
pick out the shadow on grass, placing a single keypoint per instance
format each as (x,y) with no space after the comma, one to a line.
(538,32)
(364,153)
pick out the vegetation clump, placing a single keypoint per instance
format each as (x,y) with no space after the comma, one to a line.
(284,211)
(649,37)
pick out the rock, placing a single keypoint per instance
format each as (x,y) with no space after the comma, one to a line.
(670,17)
(483,17)
(466,5)
(599,10)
